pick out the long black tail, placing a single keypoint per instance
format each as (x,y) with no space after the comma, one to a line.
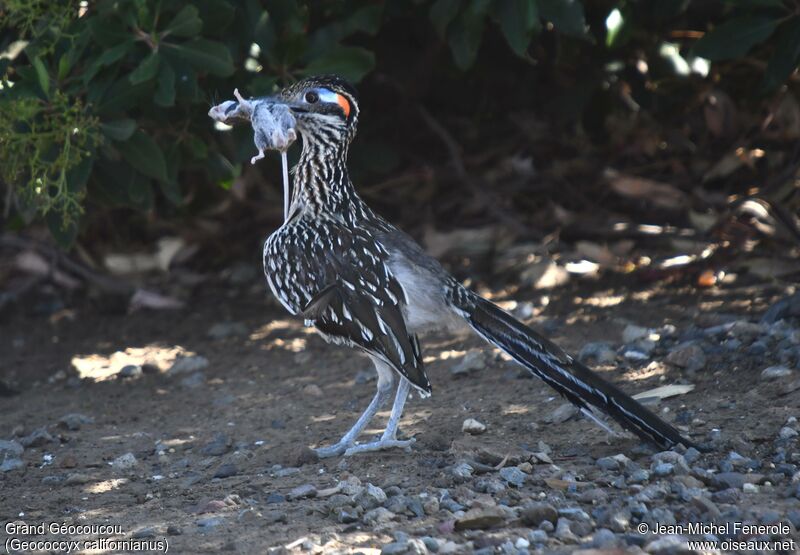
(567,376)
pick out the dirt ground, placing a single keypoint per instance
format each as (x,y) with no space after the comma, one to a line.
(271,388)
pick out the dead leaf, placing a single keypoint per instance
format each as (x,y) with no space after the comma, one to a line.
(664,392)
(657,193)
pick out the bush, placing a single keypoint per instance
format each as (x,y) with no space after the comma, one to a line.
(103,103)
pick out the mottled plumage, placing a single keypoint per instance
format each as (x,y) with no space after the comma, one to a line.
(364,284)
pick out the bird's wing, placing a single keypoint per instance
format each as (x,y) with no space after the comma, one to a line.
(356,299)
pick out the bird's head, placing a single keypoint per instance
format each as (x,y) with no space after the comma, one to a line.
(326,108)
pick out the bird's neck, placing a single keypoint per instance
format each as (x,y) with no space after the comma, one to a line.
(321,182)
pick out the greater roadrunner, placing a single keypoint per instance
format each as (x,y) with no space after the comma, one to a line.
(365,284)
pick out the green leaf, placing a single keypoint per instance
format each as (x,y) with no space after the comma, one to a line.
(465,33)
(186,23)
(165,91)
(63,66)
(442,13)
(118,130)
(41,75)
(786,57)
(142,152)
(107,58)
(351,62)
(122,96)
(79,175)
(565,15)
(63,233)
(734,38)
(170,188)
(146,70)
(518,20)
(205,55)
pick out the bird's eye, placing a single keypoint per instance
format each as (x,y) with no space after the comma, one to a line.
(312,97)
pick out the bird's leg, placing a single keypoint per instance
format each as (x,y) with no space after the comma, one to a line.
(389,438)
(385,384)
(258,156)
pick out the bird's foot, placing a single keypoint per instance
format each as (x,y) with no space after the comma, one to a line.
(332,450)
(259,156)
(380,445)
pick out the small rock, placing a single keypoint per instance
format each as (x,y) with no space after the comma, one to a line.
(130,371)
(186,365)
(370,497)
(313,390)
(631,333)
(395,548)
(378,516)
(513,476)
(275,497)
(74,421)
(10,448)
(125,462)
(224,330)
(563,531)
(563,413)
(747,487)
(346,515)
(209,522)
(11,463)
(663,469)
(787,433)
(37,438)
(302,455)
(735,480)
(76,479)
(146,532)
(220,445)
(470,362)
(68,461)
(226,470)
(352,486)
(600,352)
(691,357)
(537,536)
(461,471)
(608,463)
(301,492)
(535,514)
(173,530)
(775,373)
(472,426)
(603,538)
(706,506)
(481,518)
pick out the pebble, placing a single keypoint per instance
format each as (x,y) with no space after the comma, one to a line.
(563,531)
(608,463)
(11,463)
(377,516)
(600,352)
(301,492)
(224,330)
(193,381)
(470,362)
(689,356)
(748,487)
(346,515)
(130,371)
(220,445)
(775,373)
(74,420)
(226,470)
(537,536)
(10,448)
(76,479)
(395,548)
(632,332)
(735,480)
(125,462)
(481,518)
(313,390)
(536,513)
(663,469)
(186,365)
(472,426)
(37,438)
(787,433)
(275,497)
(370,497)
(638,476)
(563,413)
(513,476)
(209,522)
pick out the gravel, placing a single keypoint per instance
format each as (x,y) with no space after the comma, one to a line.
(473,427)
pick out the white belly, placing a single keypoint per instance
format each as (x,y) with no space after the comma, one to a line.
(426,309)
